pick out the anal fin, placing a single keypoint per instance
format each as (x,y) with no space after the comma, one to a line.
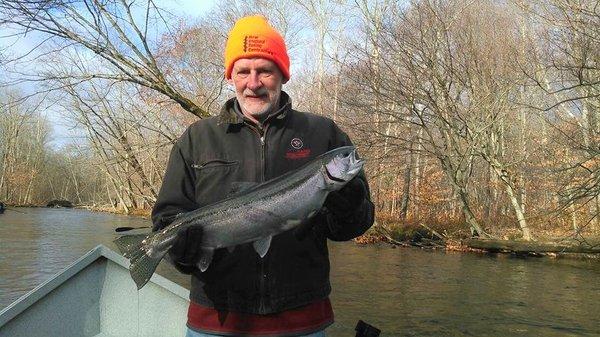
(261,246)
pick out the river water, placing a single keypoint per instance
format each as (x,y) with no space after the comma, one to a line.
(404,292)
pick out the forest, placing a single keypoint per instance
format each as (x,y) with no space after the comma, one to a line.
(474,116)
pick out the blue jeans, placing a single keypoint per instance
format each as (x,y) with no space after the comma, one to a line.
(192,333)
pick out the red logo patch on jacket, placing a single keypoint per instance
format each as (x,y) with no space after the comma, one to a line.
(297,151)
(297,154)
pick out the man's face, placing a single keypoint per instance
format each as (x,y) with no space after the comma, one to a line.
(257,84)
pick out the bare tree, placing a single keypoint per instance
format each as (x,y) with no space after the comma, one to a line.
(119,32)
(569,77)
(23,136)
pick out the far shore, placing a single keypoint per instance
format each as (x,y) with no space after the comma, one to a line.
(423,237)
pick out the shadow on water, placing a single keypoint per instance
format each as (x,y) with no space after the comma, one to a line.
(403,292)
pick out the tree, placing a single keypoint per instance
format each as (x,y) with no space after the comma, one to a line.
(568,76)
(118,32)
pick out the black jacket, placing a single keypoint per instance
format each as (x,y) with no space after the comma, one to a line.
(215,152)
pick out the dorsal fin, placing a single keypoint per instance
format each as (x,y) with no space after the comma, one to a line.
(239,187)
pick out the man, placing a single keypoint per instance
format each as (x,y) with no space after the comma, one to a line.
(257,137)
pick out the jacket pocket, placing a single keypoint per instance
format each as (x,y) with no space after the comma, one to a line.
(215,163)
(213,179)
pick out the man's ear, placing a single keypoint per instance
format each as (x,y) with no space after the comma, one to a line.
(285,80)
(230,81)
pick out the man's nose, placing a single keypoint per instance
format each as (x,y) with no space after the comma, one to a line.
(253,81)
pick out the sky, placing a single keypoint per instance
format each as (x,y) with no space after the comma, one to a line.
(193,8)
(61,133)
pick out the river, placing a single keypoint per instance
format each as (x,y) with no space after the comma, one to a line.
(404,292)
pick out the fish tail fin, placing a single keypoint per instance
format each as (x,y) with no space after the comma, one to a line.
(143,264)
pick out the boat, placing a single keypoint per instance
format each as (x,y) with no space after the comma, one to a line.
(95,296)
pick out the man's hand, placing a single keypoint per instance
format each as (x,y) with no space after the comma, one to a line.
(345,202)
(186,251)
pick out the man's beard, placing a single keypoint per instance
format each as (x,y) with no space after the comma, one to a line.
(267,109)
(261,114)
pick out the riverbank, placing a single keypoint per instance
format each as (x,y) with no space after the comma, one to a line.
(425,237)
(144,213)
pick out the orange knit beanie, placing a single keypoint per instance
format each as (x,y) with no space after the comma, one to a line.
(252,36)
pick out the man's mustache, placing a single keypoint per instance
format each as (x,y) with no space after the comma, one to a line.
(260,92)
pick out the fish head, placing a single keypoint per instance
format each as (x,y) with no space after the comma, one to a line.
(342,168)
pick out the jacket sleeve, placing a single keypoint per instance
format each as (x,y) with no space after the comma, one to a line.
(176,196)
(357,222)
(177,191)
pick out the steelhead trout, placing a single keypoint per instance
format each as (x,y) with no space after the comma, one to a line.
(252,216)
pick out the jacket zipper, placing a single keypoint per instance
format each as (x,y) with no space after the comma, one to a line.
(263,274)
(263,271)
(261,138)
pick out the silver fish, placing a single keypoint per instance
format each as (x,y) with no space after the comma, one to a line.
(254,215)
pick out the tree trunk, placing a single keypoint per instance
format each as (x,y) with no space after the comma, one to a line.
(469,216)
(505,178)
(406,183)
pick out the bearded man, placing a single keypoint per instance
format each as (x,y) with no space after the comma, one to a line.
(258,136)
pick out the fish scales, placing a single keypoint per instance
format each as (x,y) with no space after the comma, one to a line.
(267,214)
(220,220)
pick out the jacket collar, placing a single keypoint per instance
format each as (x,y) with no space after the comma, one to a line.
(231,113)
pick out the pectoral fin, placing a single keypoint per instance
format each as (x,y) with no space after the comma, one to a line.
(261,246)
(207,255)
